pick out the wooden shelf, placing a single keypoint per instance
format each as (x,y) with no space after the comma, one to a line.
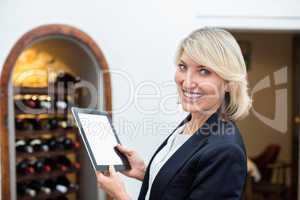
(55,94)
(45,175)
(22,114)
(39,90)
(52,195)
(40,133)
(40,111)
(46,154)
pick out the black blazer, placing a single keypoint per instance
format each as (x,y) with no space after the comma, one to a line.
(210,165)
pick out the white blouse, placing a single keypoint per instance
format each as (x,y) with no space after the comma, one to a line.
(175,141)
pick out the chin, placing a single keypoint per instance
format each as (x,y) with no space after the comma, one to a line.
(191,108)
(197,108)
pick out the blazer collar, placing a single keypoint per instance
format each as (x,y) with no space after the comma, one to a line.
(145,184)
(178,159)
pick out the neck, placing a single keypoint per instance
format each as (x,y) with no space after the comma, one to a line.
(197,121)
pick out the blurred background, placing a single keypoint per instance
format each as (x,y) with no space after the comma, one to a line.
(118,56)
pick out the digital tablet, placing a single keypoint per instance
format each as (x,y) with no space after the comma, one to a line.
(100,139)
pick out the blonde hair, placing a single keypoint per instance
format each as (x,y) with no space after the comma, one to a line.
(217,49)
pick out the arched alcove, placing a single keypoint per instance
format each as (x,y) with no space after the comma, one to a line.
(58,39)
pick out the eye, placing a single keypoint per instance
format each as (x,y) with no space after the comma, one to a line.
(181,67)
(204,71)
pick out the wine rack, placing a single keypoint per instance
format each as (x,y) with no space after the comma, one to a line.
(47,145)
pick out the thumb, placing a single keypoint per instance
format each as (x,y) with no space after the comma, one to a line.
(112,170)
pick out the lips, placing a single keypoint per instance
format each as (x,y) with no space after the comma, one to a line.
(191,95)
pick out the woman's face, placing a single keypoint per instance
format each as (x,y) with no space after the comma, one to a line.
(200,88)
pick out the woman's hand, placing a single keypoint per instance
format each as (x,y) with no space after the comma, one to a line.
(112,184)
(137,164)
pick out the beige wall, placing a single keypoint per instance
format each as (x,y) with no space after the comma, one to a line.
(270,52)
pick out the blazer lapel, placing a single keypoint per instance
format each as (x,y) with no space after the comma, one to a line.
(179,158)
(145,185)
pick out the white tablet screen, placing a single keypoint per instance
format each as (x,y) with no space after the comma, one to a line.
(101,138)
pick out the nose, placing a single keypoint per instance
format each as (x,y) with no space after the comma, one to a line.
(189,80)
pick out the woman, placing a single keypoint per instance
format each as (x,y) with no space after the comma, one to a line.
(204,157)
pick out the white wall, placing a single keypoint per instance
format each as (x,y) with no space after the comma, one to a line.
(140,38)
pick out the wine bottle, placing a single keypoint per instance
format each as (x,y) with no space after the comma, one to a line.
(62,105)
(34,186)
(32,102)
(36,144)
(52,143)
(53,124)
(23,190)
(35,123)
(64,163)
(24,167)
(19,124)
(45,102)
(23,147)
(68,143)
(43,124)
(47,186)
(40,166)
(51,163)
(49,183)
(63,180)
(66,78)
(62,184)
(24,124)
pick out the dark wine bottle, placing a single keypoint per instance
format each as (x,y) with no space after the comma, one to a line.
(24,124)
(68,143)
(44,146)
(23,147)
(34,186)
(46,186)
(24,167)
(50,184)
(62,184)
(32,102)
(63,180)
(64,163)
(53,123)
(36,144)
(66,78)
(23,190)
(52,143)
(40,166)
(43,124)
(51,163)
(36,124)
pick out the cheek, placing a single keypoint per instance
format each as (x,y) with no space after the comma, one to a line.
(213,90)
(178,78)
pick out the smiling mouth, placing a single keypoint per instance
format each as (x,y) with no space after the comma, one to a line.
(191,95)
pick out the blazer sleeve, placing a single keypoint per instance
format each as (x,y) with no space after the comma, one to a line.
(220,174)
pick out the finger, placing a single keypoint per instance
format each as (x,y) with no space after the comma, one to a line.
(112,170)
(124,149)
(101,178)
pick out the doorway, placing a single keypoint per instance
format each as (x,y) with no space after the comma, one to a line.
(76,52)
(270,129)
